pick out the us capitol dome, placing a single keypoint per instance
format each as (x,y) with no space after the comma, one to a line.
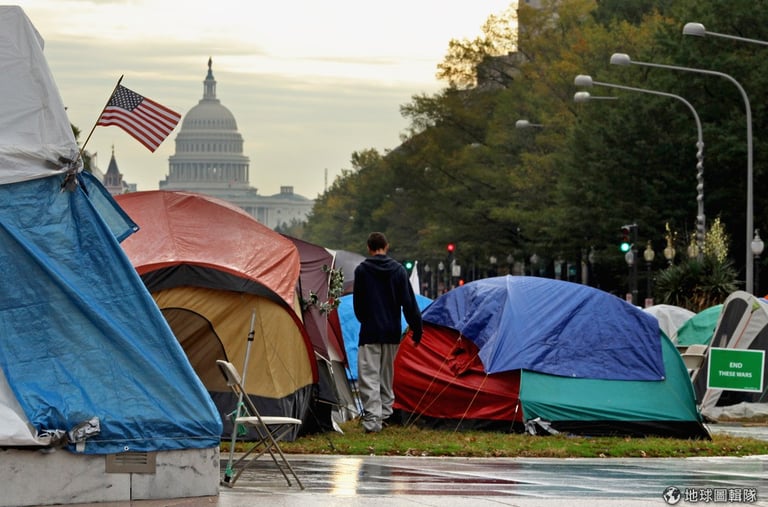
(209,159)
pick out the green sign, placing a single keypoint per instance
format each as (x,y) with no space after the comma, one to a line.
(736,369)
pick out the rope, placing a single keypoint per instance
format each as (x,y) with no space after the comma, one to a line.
(472,401)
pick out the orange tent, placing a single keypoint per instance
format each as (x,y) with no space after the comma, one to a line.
(210,266)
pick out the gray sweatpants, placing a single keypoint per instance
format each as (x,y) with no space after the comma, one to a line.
(375,373)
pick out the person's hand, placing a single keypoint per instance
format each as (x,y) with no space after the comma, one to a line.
(416,337)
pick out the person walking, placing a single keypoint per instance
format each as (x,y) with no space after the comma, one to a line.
(381,291)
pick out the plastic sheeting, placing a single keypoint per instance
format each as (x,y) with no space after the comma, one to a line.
(81,336)
(670,318)
(552,326)
(350,328)
(84,350)
(35,133)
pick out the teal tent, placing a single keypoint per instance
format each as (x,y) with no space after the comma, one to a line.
(698,329)
(544,356)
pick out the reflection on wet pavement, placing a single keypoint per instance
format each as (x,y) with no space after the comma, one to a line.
(522,477)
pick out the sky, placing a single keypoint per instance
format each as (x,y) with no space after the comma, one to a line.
(308,82)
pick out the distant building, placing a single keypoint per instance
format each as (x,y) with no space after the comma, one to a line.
(209,160)
(113,178)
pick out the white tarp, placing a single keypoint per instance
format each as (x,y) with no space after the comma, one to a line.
(34,129)
(15,429)
(670,318)
(34,133)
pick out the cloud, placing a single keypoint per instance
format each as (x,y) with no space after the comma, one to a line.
(308,82)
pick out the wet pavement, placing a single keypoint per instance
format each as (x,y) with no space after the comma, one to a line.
(446,482)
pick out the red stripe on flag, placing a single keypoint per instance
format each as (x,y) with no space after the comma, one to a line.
(144,119)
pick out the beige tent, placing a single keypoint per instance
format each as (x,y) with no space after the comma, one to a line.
(211,267)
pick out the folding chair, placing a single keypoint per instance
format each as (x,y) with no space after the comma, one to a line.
(693,357)
(269,430)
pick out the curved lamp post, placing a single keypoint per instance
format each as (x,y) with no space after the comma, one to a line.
(698,30)
(624,59)
(586,81)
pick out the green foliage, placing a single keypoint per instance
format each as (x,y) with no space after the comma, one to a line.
(696,285)
(465,174)
(413,441)
(335,291)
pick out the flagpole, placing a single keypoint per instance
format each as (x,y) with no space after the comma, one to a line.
(82,148)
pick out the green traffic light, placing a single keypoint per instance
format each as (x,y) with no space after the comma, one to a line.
(625,247)
(408,265)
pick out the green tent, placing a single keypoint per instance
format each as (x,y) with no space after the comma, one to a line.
(573,403)
(699,328)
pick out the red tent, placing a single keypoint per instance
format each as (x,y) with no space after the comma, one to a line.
(442,383)
(210,267)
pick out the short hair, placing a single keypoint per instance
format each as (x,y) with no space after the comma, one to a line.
(377,241)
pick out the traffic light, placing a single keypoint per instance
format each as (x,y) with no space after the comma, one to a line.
(626,244)
(408,265)
(451,247)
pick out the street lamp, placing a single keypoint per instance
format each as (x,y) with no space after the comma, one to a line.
(669,252)
(623,59)
(559,268)
(534,264)
(648,255)
(586,97)
(757,249)
(629,257)
(525,124)
(698,30)
(586,81)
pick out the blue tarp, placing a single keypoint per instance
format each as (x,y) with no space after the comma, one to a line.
(80,336)
(552,326)
(350,328)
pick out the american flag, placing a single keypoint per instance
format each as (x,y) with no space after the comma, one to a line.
(146,120)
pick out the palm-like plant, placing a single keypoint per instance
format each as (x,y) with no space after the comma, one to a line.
(699,284)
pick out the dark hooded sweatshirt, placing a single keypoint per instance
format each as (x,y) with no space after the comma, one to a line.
(381,289)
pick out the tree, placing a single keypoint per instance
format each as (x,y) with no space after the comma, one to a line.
(460,66)
(464,174)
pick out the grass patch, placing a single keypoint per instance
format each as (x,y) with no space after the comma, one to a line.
(413,441)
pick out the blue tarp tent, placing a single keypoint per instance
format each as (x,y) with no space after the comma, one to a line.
(86,358)
(350,329)
(518,323)
(540,355)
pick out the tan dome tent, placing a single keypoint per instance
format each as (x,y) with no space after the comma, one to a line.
(210,266)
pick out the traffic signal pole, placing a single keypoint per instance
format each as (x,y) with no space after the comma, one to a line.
(628,242)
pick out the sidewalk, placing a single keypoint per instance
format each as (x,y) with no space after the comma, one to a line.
(384,481)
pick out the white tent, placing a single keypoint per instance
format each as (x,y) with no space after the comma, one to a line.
(36,135)
(670,318)
(743,324)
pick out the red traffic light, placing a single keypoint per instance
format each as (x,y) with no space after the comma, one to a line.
(451,247)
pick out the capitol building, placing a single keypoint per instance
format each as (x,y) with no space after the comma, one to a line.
(209,159)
